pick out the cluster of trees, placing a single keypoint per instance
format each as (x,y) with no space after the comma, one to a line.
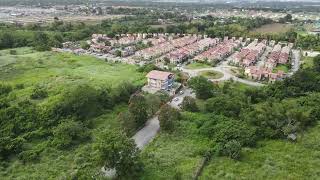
(63,121)
(240,118)
(52,35)
(309,42)
(141,107)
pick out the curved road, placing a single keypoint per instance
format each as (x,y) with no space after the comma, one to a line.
(227,75)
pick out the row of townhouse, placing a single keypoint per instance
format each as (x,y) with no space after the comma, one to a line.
(249,54)
(261,73)
(178,55)
(219,51)
(278,55)
(164,48)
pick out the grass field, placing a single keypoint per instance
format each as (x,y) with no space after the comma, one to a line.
(211,74)
(273,28)
(272,160)
(59,72)
(197,66)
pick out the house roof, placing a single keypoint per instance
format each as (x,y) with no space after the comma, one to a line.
(162,75)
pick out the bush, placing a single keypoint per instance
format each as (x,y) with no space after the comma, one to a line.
(5,88)
(39,93)
(13,52)
(116,150)
(222,130)
(19,86)
(203,87)
(189,104)
(82,102)
(69,132)
(167,117)
(232,149)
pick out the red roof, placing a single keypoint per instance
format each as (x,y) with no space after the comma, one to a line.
(159,75)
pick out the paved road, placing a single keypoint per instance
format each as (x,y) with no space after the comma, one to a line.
(296,60)
(225,70)
(150,130)
(147,133)
(179,98)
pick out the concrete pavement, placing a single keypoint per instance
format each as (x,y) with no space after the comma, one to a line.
(147,133)
(150,130)
(227,75)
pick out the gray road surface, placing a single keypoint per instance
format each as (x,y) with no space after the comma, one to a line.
(227,75)
(147,133)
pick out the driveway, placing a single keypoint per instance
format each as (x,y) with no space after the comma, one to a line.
(177,100)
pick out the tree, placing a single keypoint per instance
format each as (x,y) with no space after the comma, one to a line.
(138,109)
(115,150)
(69,132)
(41,41)
(189,104)
(232,149)
(167,117)
(316,62)
(203,87)
(225,105)
(127,122)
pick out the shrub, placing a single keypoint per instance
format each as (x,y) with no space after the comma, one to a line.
(189,104)
(5,88)
(39,93)
(232,149)
(69,132)
(13,52)
(167,117)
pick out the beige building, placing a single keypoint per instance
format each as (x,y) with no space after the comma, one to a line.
(160,80)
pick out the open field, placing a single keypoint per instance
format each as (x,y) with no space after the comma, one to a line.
(50,19)
(59,69)
(277,159)
(211,74)
(273,28)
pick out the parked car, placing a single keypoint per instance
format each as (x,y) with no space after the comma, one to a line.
(176,99)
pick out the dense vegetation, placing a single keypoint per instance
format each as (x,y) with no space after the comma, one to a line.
(230,120)
(58,104)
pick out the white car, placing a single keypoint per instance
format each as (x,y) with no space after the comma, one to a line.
(176,99)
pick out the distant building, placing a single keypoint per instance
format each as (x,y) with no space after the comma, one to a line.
(160,80)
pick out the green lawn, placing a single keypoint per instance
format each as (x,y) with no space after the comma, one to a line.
(281,67)
(307,62)
(277,159)
(197,66)
(211,74)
